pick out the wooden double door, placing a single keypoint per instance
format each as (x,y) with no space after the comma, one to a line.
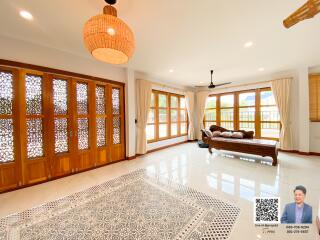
(52,125)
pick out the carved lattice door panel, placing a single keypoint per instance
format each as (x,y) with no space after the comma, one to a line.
(9,160)
(61,126)
(34,117)
(117,125)
(102,123)
(53,125)
(84,125)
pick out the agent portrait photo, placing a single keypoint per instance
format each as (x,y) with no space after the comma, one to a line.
(297,212)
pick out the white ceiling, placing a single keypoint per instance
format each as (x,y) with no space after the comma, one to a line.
(189,36)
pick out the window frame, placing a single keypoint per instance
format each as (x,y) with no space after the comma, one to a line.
(236,110)
(169,121)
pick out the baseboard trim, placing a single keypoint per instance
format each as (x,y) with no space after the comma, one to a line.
(131,158)
(300,152)
(167,146)
(160,148)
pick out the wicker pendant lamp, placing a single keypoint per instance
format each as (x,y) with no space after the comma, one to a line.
(108,38)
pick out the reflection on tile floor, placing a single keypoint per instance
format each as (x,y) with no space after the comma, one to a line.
(234,177)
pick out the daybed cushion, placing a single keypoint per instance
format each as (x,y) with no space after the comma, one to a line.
(246,134)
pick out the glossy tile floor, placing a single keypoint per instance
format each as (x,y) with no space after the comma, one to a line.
(234,177)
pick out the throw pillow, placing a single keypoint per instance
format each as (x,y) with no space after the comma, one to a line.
(208,133)
(226,134)
(237,135)
(216,134)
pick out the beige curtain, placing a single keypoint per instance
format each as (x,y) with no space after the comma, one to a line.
(201,105)
(282,93)
(191,115)
(144,90)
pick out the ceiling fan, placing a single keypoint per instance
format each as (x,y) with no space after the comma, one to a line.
(306,11)
(212,86)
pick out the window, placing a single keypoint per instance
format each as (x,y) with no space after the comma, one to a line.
(227,111)
(151,126)
(210,112)
(167,116)
(252,110)
(247,111)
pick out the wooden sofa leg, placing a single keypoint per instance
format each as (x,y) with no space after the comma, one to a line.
(274,161)
(210,150)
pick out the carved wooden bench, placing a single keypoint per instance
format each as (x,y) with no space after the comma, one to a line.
(261,147)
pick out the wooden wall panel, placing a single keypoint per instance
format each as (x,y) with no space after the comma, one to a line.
(103,156)
(61,165)
(8,178)
(36,171)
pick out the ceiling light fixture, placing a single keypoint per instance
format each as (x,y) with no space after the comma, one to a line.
(26,15)
(108,38)
(261,69)
(171,71)
(248,44)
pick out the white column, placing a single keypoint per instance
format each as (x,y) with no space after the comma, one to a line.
(304,122)
(130,113)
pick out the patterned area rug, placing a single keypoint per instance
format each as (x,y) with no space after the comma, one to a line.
(134,206)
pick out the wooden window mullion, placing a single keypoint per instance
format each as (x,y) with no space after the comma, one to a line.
(258,114)
(236,111)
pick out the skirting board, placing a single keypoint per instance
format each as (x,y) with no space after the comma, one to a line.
(158,149)
(301,153)
(175,144)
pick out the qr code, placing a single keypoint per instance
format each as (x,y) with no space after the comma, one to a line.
(266,210)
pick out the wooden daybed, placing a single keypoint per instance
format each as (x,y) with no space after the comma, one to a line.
(248,144)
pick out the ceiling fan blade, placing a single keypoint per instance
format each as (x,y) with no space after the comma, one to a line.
(221,84)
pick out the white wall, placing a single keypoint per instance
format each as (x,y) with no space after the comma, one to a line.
(26,52)
(167,88)
(315,137)
(130,113)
